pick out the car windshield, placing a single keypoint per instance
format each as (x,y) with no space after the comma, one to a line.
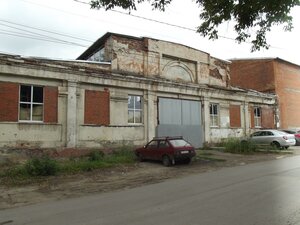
(179,143)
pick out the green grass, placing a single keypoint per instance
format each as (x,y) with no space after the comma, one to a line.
(207,156)
(235,145)
(37,168)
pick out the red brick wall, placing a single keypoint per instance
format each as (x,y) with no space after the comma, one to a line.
(253,74)
(136,44)
(251,108)
(235,116)
(288,92)
(50,104)
(9,101)
(96,108)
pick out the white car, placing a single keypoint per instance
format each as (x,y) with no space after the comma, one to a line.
(276,138)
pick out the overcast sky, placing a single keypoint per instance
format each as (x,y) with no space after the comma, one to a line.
(65,28)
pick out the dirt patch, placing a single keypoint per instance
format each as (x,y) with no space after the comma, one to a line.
(122,177)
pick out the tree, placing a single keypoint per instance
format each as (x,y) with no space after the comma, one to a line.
(257,15)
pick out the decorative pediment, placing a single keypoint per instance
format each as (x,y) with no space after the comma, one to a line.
(178,70)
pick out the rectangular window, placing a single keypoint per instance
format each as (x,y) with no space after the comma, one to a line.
(134,109)
(31,103)
(214,115)
(257,117)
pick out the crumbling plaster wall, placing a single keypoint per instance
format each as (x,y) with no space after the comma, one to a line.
(37,135)
(171,61)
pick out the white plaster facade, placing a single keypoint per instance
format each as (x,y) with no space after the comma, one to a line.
(136,66)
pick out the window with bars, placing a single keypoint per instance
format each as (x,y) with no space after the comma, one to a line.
(134,109)
(31,103)
(214,115)
(257,117)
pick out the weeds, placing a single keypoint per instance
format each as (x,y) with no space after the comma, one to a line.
(234,145)
(45,166)
(96,155)
(41,166)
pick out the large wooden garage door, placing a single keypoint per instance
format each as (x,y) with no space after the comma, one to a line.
(177,117)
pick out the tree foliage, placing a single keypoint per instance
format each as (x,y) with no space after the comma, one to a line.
(249,15)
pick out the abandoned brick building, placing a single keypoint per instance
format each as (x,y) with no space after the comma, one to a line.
(272,75)
(125,90)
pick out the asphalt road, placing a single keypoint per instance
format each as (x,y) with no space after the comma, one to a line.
(266,193)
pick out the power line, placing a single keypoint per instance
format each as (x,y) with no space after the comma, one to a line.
(52,32)
(45,37)
(167,24)
(37,38)
(132,15)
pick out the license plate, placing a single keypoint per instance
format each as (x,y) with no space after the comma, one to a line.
(184,152)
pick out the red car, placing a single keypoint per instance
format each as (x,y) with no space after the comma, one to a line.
(296,133)
(168,150)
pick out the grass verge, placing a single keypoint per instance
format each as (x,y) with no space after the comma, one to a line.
(36,169)
(207,156)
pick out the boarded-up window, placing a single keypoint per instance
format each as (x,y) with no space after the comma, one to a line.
(50,104)
(235,116)
(267,117)
(96,107)
(251,112)
(9,101)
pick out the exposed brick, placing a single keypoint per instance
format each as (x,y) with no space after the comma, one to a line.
(251,108)
(96,109)
(272,75)
(50,104)
(267,117)
(136,44)
(9,101)
(253,74)
(235,116)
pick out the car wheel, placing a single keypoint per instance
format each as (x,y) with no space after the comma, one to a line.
(166,160)
(276,145)
(187,161)
(140,157)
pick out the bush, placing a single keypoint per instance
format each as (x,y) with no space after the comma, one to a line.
(96,156)
(122,155)
(41,166)
(234,145)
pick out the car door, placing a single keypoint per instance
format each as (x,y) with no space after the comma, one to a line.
(150,150)
(162,149)
(268,137)
(257,137)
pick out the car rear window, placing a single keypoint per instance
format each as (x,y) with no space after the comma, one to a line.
(280,132)
(179,143)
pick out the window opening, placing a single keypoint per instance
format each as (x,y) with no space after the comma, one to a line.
(134,109)
(214,115)
(31,103)
(257,117)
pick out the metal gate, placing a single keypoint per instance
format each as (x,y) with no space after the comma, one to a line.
(177,117)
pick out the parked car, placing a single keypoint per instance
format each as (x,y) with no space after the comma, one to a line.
(276,138)
(296,133)
(168,150)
